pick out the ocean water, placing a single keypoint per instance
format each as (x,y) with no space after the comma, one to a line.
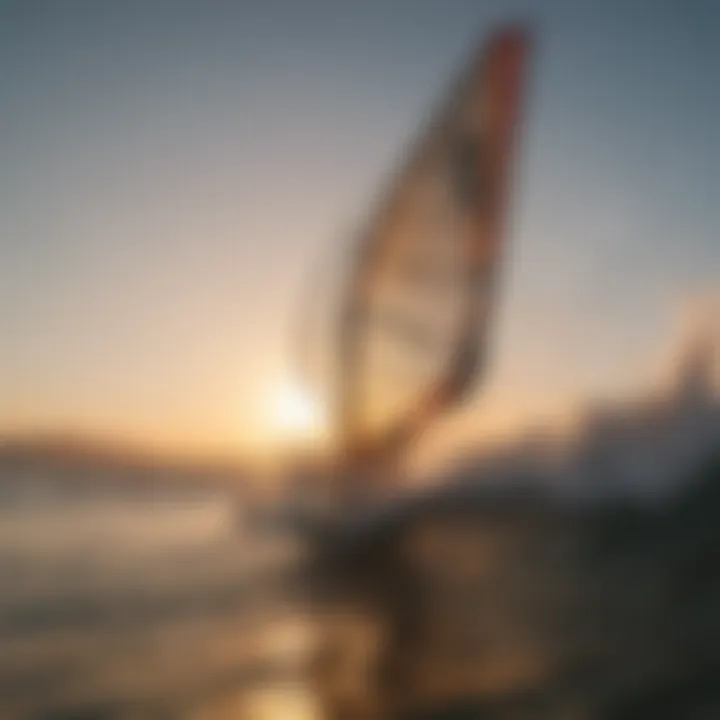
(122,607)
(179,607)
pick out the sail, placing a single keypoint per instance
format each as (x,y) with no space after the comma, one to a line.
(408,322)
(413,334)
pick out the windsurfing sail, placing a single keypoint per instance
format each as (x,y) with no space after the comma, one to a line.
(414,314)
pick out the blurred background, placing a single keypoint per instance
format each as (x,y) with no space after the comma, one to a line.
(170,174)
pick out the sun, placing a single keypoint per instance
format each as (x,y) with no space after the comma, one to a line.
(296,412)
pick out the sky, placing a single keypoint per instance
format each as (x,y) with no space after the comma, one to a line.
(172,171)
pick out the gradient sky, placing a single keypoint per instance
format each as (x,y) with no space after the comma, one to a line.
(170,172)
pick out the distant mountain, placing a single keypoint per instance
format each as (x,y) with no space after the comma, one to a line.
(74,463)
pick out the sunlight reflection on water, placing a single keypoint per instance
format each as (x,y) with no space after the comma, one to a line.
(291,702)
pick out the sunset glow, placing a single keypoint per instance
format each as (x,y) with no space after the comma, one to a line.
(166,195)
(295,413)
